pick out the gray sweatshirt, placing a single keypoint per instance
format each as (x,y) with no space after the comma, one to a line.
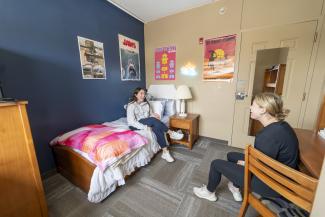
(137,111)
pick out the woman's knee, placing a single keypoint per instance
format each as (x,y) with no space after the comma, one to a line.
(230,156)
(235,156)
(215,163)
(154,121)
(159,125)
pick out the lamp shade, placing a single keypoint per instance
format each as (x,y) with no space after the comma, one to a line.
(183,92)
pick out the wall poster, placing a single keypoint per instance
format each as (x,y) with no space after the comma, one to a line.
(219,58)
(129,59)
(165,63)
(92,58)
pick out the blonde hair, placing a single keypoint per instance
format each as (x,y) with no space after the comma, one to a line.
(273,105)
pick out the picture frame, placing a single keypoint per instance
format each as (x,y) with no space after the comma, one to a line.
(129,59)
(92,58)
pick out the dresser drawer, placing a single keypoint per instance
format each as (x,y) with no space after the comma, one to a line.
(176,123)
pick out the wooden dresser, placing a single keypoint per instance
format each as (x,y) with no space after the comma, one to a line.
(21,190)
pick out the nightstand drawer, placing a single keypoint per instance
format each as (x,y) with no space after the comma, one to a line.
(176,123)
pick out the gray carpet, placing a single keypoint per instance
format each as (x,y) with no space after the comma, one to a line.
(159,189)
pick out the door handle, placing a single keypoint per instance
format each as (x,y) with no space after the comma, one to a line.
(240,95)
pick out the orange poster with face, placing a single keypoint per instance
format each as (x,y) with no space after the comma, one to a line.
(219,58)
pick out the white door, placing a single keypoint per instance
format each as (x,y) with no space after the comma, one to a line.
(299,38)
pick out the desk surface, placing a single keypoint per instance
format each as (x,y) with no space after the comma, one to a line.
(312,150)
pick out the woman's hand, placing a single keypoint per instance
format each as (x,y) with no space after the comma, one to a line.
(241,162)
(155,115)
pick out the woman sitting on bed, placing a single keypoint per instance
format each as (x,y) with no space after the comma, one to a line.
(140,117)
(277,140)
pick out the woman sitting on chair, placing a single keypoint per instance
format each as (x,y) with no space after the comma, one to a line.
(140,116)
(277,140)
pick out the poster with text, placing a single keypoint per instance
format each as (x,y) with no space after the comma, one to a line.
(92,58)
(219,58)
(129,59)
(165,63)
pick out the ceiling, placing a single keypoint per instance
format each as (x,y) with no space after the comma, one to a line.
(149,10)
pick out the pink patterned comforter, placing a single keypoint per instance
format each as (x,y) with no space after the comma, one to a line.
(103,144)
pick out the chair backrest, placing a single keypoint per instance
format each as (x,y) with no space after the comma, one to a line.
(321,117)
(295,186)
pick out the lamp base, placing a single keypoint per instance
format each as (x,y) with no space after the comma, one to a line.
(183,115)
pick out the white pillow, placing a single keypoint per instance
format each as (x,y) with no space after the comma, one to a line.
(170,107)
(157,107)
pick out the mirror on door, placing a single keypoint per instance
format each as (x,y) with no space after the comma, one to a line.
(269,77)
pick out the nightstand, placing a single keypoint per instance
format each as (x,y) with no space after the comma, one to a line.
(189,126)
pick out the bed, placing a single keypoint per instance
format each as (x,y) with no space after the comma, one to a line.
(78,168)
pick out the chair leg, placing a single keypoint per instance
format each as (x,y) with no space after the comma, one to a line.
(243,208)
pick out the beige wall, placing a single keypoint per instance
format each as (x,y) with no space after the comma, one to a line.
(318,206)
(214,101)
(257,13)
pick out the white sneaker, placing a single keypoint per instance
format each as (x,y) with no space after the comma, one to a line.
(235,192)
(203,192)
(176,135)
(166,155)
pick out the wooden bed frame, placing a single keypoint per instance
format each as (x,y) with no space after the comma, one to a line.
(73,166)
(76,168)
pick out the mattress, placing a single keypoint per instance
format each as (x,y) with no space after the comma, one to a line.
(103,183)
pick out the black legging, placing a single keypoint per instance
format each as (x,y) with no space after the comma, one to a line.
(158,127)
(230,169)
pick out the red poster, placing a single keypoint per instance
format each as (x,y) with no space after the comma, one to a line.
(165,63)
(219,58)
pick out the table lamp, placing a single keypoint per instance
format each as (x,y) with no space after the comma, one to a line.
(183,93)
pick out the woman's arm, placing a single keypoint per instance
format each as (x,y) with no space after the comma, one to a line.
(131,119)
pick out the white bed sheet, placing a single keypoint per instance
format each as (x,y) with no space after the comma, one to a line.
(104,183)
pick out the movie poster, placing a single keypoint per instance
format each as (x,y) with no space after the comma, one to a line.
(129,59)
(219,58)
(165,63)
(92,58)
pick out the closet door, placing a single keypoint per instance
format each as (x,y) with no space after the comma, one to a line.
(299,39)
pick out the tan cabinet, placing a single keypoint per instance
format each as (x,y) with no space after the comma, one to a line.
(274,79)
(20,183)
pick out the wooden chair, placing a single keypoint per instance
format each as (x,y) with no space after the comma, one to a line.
(293,185)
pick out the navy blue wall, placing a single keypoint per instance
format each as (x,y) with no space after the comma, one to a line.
(39,62)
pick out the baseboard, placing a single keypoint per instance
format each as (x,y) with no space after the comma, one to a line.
(219,141)
(48,174)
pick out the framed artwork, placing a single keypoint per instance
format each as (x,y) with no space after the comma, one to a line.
(129,59)
(92,58)
(219,58)
(165,63)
